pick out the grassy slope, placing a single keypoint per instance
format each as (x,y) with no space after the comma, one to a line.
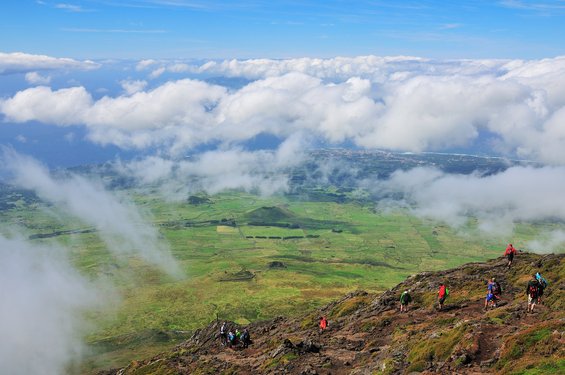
(373,252)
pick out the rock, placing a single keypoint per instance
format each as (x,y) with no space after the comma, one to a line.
(307,347)
(283,348)
(355,345)
(464,359)
(288,344)
(488,362)
(276,264)
(308,370)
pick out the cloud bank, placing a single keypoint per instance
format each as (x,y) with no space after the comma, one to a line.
(404,104)
(498,202)
(262,172)
(118,221)
(43,299)
(19,62)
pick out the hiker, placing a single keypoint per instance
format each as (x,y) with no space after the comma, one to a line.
(231,339)
(542,285)
(532,291)
(509,253)
(493,293)
(323,324)
(245,338)
(442,294)
(490,300)
(223,334)
(405,299)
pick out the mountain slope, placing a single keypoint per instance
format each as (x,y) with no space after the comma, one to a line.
(368,335)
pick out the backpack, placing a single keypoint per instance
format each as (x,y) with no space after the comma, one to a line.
(533,290)
(443,292)
(405,298)
(495,288)
(541,280)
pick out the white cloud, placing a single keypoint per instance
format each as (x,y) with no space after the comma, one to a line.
(71,8)
(61,107)
(401,103)
(157,73)
(144,64)
(18,62)
(497,201)
(37,79)
(43,302)
(262,172)
(547,241)
(130,87)
(375,68)
(120,224)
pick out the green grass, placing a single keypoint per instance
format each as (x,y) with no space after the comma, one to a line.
(366,250)
(528,350)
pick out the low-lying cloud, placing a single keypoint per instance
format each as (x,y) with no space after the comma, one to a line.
(43,305)
(262,172)
(119,223)
(498,202)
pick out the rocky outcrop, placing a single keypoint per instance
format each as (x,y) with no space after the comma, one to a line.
(367,334)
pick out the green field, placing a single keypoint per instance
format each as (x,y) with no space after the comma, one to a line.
(226,247)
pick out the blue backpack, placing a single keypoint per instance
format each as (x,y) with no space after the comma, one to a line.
(541,280)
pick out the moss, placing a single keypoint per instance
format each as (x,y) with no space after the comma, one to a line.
(497,321)
(368,325)
(280,361)
(427,299)
(438,348)
(445,321)
(310,321)
(530,348)
(416,367)
(549,367)
(158,367)
(387,367)
(349,305)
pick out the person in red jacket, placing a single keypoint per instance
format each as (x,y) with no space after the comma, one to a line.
(442,294)
(509,253)
(323,324)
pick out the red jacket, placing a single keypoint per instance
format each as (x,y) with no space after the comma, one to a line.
(510,250)
(441,292)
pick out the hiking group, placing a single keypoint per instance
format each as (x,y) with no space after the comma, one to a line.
(234,338)
(534,289)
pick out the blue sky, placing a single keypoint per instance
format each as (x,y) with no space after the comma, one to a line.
(96,29)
